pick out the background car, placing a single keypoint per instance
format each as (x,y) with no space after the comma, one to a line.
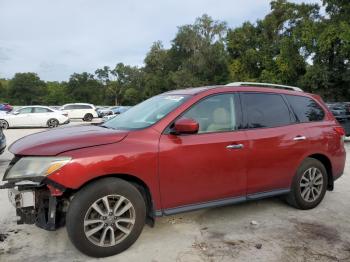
(80,111)
(119,109)
(108,117)
(5,107)
(33,116)
(104,111)
(341,112)
(2,141)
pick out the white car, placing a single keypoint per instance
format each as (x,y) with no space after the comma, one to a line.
(33,116)
(80,111)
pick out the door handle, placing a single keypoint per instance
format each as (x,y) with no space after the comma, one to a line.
(236,146)
(299,138)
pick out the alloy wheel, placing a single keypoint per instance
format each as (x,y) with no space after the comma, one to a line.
(109,220)
(311,184)
(3,124)
(52,123)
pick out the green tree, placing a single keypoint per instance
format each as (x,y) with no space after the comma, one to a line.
(84,88)
(26,89)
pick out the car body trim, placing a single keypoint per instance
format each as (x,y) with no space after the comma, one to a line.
(221,202)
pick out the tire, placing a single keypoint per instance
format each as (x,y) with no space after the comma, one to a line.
(88,117)
(51,123)
(299,196)
(4,124)
(82,209)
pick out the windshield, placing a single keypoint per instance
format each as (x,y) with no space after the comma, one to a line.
(146,113)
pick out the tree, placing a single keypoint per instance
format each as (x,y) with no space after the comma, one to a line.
(26,89)
(84,88)
(119,79)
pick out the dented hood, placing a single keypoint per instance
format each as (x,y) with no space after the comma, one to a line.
(56,141)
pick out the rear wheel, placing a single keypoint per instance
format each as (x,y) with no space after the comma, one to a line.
(106,217)
(4,124)
(309,185)
(51,123)
(88,117)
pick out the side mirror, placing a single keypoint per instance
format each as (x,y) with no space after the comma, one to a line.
(186,126)
(15,112)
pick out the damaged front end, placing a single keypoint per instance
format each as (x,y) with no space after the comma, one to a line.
(37,199)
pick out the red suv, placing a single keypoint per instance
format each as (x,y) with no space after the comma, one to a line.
(179,151)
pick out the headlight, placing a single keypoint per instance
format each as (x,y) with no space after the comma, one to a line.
(28,167)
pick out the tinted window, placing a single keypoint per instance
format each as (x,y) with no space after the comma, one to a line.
(82,107)
(214,114)
(41,110)
(265,110)
(69,107)
(25,110)
(306,109)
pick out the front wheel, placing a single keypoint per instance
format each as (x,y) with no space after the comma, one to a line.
(106,217)
(309,185)
(4,124)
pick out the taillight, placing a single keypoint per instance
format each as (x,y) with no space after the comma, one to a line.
(340,131)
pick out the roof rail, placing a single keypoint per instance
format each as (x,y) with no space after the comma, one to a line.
(265,85)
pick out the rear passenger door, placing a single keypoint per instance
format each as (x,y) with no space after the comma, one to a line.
(276,143)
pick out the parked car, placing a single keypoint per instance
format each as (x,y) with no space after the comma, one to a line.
(119,109)
(2,141)
(5,107)
(33,116)
(108,117)
(342,114)
(179,151)
(82,111)
(103,111)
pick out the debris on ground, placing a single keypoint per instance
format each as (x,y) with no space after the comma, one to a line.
(3,237)
(258,246)
(254,223)
(202,246)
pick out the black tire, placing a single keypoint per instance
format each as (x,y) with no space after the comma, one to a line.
(51,123)
(81,204)
(4,124)
(88,117)
(295,197)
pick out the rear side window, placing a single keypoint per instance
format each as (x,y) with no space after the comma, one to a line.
(82,107)
(265,110)
(306,109)
(41,110)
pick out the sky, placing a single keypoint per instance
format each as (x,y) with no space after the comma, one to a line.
(58,38)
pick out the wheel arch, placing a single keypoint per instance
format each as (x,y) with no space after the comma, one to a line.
(139,184)
(328,165)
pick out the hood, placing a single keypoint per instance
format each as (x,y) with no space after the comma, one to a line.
(56,141)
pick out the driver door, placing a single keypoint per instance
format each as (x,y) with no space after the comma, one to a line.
(207,168)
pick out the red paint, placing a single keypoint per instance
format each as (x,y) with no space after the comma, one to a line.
(186,126)
(192,168)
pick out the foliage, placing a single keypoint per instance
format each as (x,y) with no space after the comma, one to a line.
(293,44)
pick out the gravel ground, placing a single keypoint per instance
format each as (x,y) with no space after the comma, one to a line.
(265,230)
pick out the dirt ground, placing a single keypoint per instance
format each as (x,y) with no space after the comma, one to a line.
(265,230)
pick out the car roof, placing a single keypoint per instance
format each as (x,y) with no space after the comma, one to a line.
(78,104)
(228,88)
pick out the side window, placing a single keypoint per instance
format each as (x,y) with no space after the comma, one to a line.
(265,110)
(306,109)
(215,113)
(41,110)
(26,110)
(68,107)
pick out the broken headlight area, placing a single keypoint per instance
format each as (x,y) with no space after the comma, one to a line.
(39,203)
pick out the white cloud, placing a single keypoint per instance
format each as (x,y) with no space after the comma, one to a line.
(57,38)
